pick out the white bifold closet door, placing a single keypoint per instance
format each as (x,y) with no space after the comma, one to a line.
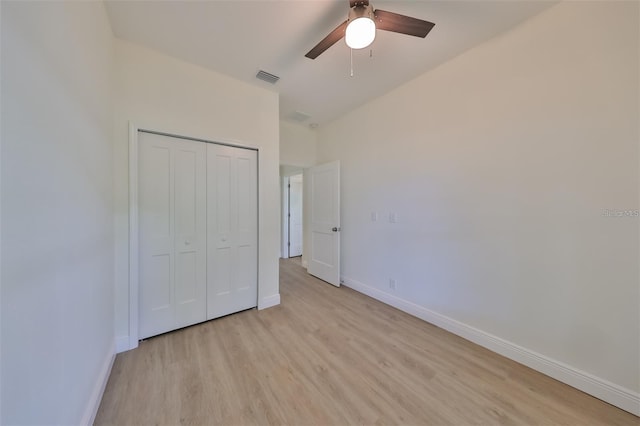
(198,227)
(172,179)
(232,231)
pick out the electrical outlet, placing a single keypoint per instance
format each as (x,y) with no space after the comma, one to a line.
(393,217)
(374,217)
(392,284)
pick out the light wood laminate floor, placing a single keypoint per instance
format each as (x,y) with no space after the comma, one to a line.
(333,356)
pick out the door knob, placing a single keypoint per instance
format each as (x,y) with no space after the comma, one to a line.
(335,229)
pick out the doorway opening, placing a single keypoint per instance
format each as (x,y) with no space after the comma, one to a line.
(292,214)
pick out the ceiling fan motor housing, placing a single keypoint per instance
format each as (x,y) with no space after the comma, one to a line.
(361,11)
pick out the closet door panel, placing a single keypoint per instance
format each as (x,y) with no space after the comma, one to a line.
(247,228)
(190,232)
(232,216)
(219,238)
(172,232)
(155,236)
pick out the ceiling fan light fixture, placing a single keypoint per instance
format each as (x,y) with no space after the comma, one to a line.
(361,30)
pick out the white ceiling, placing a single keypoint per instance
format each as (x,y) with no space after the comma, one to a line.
(238,38)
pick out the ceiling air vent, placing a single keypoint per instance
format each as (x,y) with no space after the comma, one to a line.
(265,76)
(298,116)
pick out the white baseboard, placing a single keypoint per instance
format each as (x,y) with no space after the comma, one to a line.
(98,389)
(623,398)
(269,301)
(305,264)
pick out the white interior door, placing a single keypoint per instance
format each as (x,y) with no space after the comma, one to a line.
(324,187)
(295,215)
(232,224)
(172,232)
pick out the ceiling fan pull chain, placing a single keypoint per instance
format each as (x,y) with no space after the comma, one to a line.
(371,53)
(351,50)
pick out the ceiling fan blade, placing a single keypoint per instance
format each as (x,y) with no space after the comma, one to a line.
(397,23)
(328,41)
(358,3)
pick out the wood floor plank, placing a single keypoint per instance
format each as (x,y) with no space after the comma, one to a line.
(332,356)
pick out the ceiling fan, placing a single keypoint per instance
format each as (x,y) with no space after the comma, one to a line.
(359,29)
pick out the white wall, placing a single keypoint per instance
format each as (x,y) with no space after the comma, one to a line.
(286,171)
(297,145)
(157,92)
(499,165)
(57,211)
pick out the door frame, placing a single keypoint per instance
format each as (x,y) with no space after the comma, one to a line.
(134,285)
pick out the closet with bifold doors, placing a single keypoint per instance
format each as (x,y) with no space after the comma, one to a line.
(197,231)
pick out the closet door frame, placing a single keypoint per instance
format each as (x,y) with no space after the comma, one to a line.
(134,247)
